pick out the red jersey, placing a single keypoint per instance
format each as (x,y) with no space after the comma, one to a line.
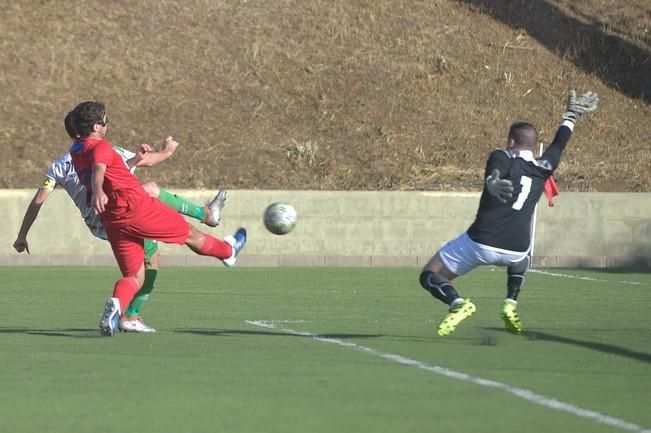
(123,189)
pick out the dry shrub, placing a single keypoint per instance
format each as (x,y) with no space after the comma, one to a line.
(370,95)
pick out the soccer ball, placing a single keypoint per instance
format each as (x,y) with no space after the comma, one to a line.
(280,218)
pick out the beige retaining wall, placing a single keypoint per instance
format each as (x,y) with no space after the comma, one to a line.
(354,229)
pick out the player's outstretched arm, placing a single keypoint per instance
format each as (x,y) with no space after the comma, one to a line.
(20,244)
(576,107)
(146,157)
(138,156)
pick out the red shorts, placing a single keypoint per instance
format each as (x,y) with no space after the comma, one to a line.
(149,218)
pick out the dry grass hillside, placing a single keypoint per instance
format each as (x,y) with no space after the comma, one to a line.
(329,94)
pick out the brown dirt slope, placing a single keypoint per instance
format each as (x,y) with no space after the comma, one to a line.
(329,94)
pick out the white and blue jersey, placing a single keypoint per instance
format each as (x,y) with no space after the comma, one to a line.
(62,173)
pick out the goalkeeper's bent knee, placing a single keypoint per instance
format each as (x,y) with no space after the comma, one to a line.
(438,286)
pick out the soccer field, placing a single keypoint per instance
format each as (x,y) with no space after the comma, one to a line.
(325,350)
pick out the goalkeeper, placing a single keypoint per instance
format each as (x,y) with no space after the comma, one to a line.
(501,232)
(61,173)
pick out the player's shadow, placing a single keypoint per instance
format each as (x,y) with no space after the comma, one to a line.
(230,332)
(66,332)
(623,65)
(592,345)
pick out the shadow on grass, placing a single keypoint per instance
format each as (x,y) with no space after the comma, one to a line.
(67,332)
(621,64)
(227,332)
(592,345)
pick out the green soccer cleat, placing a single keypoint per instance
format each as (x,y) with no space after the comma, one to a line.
(459,312)
(510,316)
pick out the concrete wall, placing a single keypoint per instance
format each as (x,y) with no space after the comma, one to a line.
(354,229)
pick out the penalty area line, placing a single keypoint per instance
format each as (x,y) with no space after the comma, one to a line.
(522,393)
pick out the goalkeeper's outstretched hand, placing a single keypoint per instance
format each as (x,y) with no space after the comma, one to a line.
(501,189)
(579,105)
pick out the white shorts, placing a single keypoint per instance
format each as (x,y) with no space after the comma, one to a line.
(462,255)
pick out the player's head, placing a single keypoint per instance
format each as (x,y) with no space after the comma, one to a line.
(522,135)
(89,117)
(69,124)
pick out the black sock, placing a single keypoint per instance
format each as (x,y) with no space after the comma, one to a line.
(515,279)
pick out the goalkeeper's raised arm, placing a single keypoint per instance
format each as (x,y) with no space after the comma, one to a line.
(576,107)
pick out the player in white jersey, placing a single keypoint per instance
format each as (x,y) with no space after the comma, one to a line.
(61,173)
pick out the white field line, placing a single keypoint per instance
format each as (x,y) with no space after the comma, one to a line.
(522,393)
(578,277)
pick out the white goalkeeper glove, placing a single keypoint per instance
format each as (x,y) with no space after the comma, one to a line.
(579,105)
(501,189)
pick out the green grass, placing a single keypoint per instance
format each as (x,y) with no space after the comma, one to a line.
(586,343)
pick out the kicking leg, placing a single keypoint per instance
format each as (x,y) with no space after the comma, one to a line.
(209,214)
(165,225)
(207,245)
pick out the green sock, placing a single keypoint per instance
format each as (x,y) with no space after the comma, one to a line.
(182,205)
(143,294)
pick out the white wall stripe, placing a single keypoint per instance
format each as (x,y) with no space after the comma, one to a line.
(579,277)
(523,393)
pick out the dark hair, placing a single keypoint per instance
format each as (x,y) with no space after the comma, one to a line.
(69,124)
(524,135)
(85,116)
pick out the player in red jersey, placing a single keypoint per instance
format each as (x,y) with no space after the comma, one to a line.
(129,214)
(62,175)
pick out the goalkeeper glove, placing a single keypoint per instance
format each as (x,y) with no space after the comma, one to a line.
(501,189)
(578,105)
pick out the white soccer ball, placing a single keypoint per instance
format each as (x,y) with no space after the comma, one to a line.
(280,218)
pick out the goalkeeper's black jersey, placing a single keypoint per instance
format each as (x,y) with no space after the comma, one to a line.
(507,226)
